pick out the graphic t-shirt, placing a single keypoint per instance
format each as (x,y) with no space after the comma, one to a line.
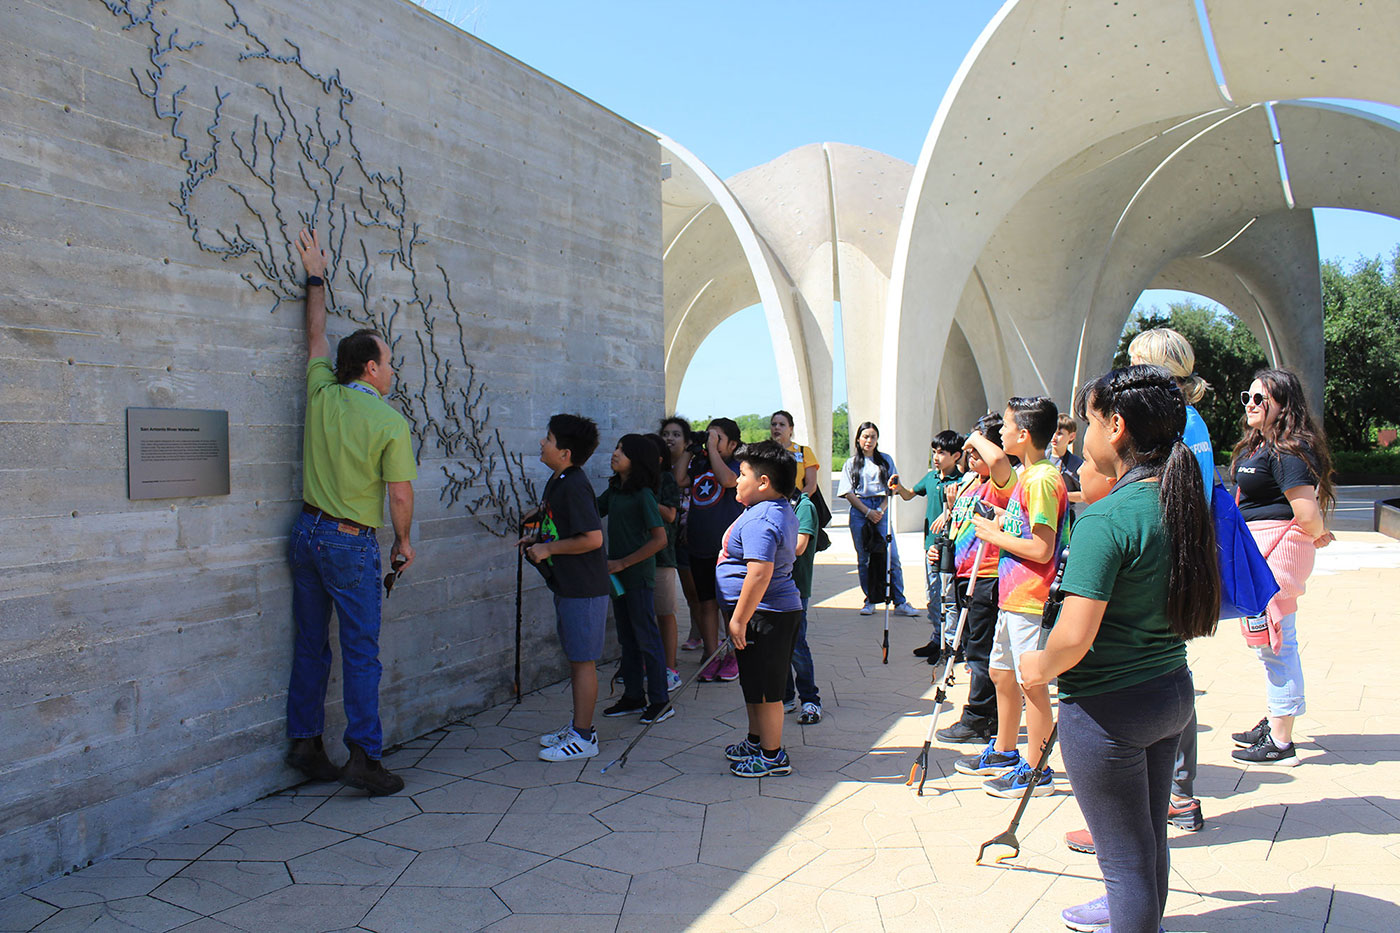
(631,517)
(765,531)
(712,507)
(806,525)
(1264,476)
(974,489)
(1121,555)
(1037,498)
(934,485)
(868,483)
(1197,438)
(569,508)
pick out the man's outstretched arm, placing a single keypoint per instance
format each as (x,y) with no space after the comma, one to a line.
(313,260)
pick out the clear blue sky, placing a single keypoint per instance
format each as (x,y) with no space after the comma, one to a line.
(741,83)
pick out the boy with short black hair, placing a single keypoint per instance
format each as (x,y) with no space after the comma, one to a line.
(754,579)
(945,475)
(1029,536)
(568,550)
(714,471)
(1065,459)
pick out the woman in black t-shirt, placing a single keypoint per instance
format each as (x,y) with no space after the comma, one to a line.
(1284,475)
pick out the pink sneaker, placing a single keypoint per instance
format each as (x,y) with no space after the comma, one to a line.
(710,672)
(729,668)
(692,644)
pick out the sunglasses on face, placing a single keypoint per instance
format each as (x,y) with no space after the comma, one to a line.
(1258,398)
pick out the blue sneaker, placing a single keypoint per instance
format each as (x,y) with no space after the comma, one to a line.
(760,765)
(1014,782)
(1087,917)
(741,750)
(989,762)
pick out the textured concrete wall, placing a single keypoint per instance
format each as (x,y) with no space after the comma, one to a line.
(504,231)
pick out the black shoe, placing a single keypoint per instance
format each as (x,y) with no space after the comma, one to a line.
(657,712)
(960,732)
(1252,737)
(309,757)
(368,774)
(932,649)
(625,707)
(1265,752)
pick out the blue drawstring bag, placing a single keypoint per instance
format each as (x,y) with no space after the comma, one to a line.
(1246,582)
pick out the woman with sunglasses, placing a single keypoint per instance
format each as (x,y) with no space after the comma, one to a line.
(1284,474)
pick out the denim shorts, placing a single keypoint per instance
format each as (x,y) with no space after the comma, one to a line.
(581,623)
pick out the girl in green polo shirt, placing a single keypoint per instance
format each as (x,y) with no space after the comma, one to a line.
(1142,578)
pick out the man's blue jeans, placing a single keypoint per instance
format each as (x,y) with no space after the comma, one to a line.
(333,568)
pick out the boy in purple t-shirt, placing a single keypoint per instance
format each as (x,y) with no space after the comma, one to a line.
(754,581)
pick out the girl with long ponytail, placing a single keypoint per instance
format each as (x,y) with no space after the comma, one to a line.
(1142,579)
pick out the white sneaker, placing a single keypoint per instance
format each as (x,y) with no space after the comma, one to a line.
(790,706)
(551,739)
(811,714)
(867,610)
(573,746)
(673,680)
(907,610)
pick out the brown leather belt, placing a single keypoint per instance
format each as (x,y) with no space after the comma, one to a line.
(343,524)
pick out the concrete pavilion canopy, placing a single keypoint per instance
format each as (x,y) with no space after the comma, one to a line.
(1082,154)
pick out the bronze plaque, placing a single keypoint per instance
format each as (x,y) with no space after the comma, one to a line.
(176,452)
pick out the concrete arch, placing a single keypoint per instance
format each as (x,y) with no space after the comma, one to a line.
(1083,149)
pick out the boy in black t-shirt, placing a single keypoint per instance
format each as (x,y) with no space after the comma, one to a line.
(569,552)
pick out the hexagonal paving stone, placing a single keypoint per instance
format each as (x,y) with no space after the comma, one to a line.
(306,908)
(546,833)
(354,861)
(434,910)
(428,831)
(276,843)
(467,796)
(107,881)
(124,915)
(560,887)
(209,887)
(475,865)
(362,814)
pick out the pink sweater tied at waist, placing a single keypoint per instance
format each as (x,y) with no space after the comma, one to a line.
(1291,555)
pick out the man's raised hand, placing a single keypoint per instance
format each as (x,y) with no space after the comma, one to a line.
(313,256)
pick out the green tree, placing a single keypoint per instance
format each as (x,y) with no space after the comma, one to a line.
(840,435)
(1227,356)
(1361,334)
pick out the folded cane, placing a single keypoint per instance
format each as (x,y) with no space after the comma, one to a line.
(622,759)
(949,676)
(889,572)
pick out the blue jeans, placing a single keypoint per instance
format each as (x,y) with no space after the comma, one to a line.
(1119,749)
(333,568)
(640,639)
(805,685)
(1285,670)
(858,524)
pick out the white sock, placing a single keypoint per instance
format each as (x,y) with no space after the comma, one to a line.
(1281,746)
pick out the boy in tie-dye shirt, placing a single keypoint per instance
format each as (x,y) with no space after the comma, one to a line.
(1029,535)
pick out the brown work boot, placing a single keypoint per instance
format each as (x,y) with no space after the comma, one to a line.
(309,757)
(1080,841)
(368,774)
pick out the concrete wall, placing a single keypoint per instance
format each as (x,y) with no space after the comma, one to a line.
(504,231)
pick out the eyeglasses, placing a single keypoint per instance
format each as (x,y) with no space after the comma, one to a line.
(1259,398)
(392,576)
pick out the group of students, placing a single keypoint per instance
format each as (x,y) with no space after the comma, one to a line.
(725,524)
(1141,578)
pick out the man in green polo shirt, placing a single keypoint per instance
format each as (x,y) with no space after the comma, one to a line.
(354,446)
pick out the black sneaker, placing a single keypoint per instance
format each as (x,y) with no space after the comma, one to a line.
(1265,752)
(309,757)
(932,649)
(625,707)
(657,712)
(1252,737)
(368,774)
(961,733)
(988,762)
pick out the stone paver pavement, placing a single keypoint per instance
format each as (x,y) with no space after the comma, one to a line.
(486,836)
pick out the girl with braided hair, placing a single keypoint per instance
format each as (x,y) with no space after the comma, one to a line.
(1141,579)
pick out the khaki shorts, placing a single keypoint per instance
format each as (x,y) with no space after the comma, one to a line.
(667,583)
(1016,634)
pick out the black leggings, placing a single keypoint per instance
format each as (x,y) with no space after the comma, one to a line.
(1119,749)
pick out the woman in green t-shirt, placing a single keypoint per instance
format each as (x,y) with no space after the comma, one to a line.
(1141,578)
